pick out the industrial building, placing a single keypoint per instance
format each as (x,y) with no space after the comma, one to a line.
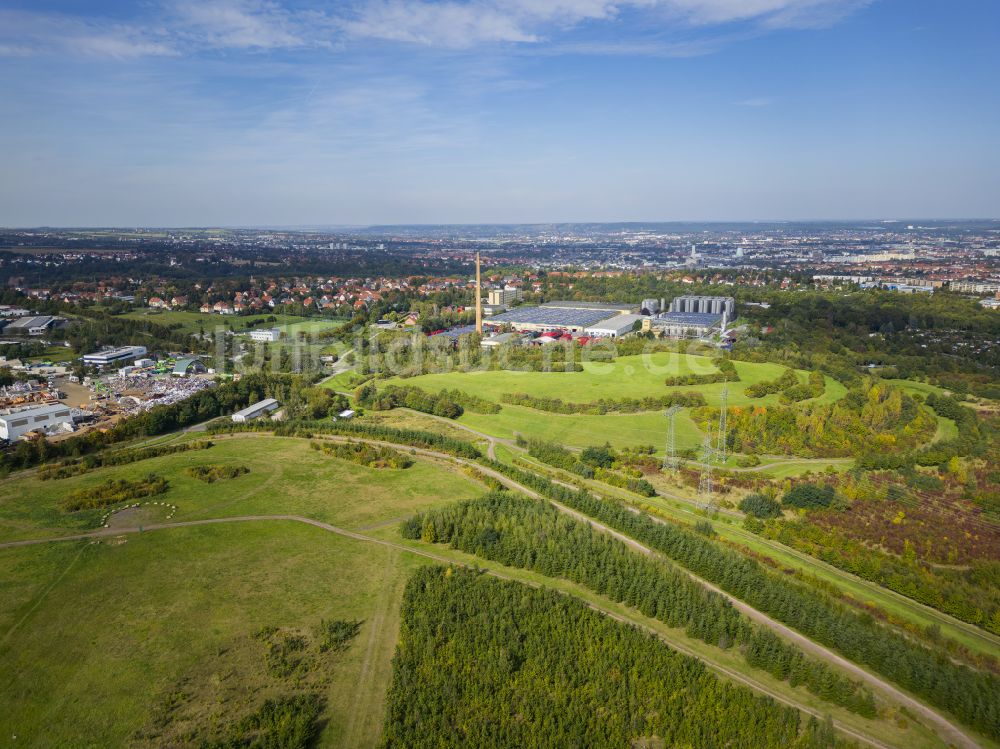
(37,325)
(572,317)
(614,327)
(650,306)
(255,411)
(682,324)
(188,366)
(705,305)
(502,339)
(266,335)
(14,424)
(110,356)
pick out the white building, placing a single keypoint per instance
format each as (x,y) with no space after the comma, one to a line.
(614,327)
(114,355)
(265,335)
(249,413)
(16,423)
(502,297)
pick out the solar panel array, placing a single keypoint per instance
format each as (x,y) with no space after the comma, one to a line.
(563,317)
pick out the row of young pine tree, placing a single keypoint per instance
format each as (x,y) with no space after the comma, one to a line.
(532,534)
(972,696)
(489,663)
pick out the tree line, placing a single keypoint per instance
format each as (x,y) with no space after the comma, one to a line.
(604,405)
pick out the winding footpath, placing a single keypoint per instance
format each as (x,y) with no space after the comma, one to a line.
(734,675)
(952,732)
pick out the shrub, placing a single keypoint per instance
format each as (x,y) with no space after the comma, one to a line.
(336,636)
(215,472)
(808,496)
(370,456)
(760,506)
(113,491)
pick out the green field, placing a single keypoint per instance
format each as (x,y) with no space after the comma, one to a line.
(128,639)
(285,477)
(95,637)
(627,377)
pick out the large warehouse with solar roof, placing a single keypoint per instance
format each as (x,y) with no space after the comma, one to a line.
(573,317)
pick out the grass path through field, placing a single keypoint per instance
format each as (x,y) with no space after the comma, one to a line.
(358,725)
(955,734)
(42,596)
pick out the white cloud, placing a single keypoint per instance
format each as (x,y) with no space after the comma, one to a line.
(449,24)
(465,23)
(25,33)
(770,13)
(191,25)
(242,24)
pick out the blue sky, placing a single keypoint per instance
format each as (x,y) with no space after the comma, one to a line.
(294,112)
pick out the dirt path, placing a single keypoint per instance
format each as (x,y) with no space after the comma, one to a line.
(394,547)
(690,506)
(369,706)
(952,732)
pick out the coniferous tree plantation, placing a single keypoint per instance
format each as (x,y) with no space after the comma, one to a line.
(971,695)
(520,532)
(488,663)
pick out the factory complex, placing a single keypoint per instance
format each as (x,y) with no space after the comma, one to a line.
(686,317)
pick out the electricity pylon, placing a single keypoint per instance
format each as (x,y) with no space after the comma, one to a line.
(670,454)
(723,411)
(707,456)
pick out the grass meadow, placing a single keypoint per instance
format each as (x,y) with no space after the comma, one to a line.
(99,639)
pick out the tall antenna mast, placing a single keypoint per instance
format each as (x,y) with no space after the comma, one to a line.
(479,298)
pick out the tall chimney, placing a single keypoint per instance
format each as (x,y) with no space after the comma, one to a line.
(479,299)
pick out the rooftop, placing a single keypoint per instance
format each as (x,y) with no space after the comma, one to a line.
(555,316)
